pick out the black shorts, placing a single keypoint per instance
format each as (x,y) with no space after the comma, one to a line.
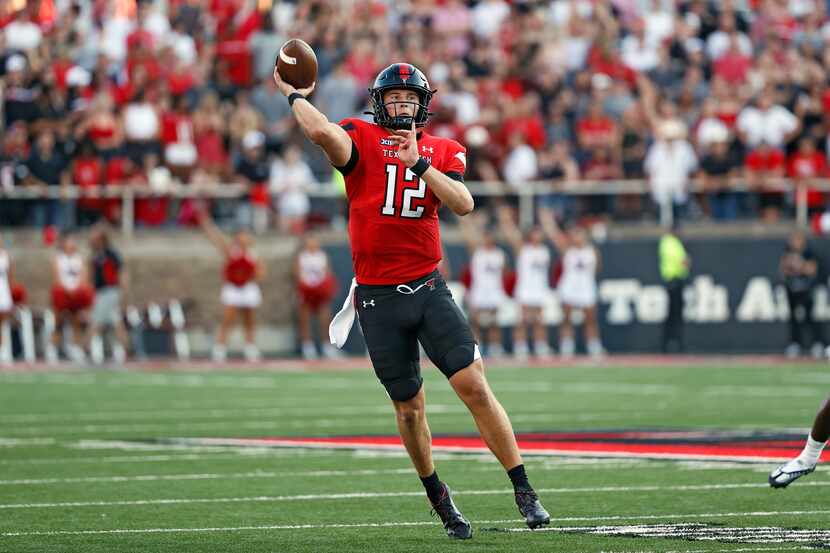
(394,322)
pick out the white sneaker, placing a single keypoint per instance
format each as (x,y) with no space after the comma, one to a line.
(520,351)
(495,350)
(817,350)
(789,472)
(567,348)
(51,354)
(119,354)
(792,351)
(331,352)
(76,354)
(219,354)
(541,349)
(309,351)
(252,353)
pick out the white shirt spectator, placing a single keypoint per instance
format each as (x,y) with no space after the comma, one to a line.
(488,15)
(141,122)
(668,165)
(770,126)
(290,182)
(659,26)
(520,166)
(561,11)
(23,35)
(114,38)
(638,54)
(718,43)
(709,131)
(466,106)
(183,46)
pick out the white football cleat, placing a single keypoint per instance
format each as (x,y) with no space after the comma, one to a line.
(789,472)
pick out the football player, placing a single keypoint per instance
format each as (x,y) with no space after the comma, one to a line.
(396,177)
(807,460)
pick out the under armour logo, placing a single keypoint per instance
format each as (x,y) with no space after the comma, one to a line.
(370,303)
(427,149)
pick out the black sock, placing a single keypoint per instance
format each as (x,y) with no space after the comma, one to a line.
(433,487)
(519,477)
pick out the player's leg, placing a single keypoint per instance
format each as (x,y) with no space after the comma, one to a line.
(249,324)
(308,348)
(389,323)
(228,319)
(567,345)
(807,460)
(594,343)
(450,344)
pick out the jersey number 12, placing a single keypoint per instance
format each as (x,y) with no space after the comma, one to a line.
(409,194)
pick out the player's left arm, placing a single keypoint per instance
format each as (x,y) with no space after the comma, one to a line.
(452,193)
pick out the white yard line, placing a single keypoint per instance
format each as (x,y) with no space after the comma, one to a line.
(338,473)
(25,442)
(401,523)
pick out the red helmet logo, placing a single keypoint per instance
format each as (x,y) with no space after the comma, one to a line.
(404,71)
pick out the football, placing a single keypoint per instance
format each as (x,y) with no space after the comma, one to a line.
(297,63)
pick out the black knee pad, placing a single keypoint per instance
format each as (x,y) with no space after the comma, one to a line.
(458,358)
(403,389)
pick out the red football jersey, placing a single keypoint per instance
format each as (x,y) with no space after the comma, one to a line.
(393,215)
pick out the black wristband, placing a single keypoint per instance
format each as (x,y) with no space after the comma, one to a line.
(420,167)
(294,96)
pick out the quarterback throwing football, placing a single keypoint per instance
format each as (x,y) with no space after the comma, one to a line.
(396,177)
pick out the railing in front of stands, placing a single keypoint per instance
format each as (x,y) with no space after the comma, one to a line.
(526,193)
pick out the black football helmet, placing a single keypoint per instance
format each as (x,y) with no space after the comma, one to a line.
(403,76)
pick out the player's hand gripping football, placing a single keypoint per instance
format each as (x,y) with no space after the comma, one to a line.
(287,89)
(407,145)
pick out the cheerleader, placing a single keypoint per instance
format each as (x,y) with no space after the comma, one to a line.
(240,291)
(532,284)
(485,294)
(577,285)
(72,296)
(316,286)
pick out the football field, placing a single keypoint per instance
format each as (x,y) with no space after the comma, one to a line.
(627,459)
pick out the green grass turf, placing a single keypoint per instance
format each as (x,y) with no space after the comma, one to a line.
(59,435)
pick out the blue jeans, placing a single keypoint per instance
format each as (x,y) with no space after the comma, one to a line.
(724,206)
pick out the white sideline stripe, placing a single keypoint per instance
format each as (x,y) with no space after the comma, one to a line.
(400,523)
(24,442)
(214,413)
(350,495)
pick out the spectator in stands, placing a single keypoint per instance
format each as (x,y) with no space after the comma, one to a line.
(805,165)
(762,167)
(254,171)
(88,175)
(208,135)
(338,94)
(767,121)
(719,170)
(799,269)
(180,152)
(264,45)
(48,169)
(520,164)
(110,280)
(276,113)
(13,173)
(101,126)
(669,164)
(142,127)
(20,93)
(674,270)
(291,180)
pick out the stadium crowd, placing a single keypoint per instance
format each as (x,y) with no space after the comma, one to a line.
(150,92)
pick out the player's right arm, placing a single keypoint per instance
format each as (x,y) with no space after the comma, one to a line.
(333,140)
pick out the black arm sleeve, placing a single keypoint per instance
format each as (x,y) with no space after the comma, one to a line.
(456,176)
(350,165)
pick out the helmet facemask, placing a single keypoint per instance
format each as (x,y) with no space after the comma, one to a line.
(386,113)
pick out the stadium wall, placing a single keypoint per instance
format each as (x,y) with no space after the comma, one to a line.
(735,300)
